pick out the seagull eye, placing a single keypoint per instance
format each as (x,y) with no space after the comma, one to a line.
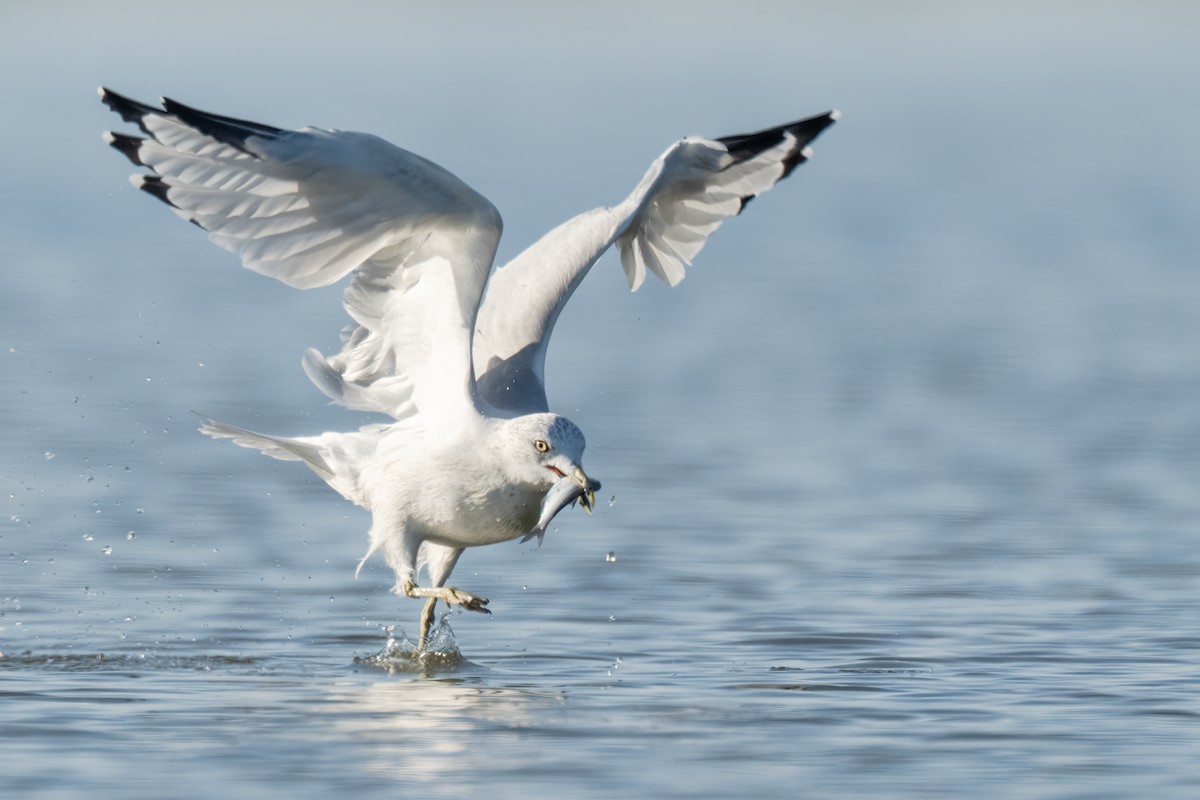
(541,445)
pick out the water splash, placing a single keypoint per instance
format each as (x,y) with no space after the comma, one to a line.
(400,654)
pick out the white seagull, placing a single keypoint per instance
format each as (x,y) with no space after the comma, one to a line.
(453,350)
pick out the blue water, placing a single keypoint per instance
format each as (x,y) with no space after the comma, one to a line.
(899,485)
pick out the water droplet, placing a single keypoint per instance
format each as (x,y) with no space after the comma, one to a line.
(107,550)
(610,557)
(48,455)
(612,501)
(87,537)
(131,536)
(612,617)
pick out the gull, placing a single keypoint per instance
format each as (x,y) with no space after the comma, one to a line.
(451,349)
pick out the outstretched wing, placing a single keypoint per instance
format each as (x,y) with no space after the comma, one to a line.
(686,194)
(310,206)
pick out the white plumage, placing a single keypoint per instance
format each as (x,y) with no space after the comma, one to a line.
(452,350)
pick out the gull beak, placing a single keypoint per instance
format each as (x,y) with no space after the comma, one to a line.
(589,486)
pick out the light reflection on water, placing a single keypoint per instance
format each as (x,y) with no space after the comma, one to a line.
(904,473)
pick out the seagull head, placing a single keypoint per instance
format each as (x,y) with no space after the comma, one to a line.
(549,448)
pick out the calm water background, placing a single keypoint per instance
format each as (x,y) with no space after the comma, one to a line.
(902,480)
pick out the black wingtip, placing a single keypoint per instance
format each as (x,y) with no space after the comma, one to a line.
(748,145)
(806,130)
(128,146)
(129,109)
(794,160)
(228,130)
(156,187)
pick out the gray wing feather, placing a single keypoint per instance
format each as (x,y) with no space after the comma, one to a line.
(659,228)
(310,206)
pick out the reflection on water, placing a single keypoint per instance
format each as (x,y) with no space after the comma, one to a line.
(434,730)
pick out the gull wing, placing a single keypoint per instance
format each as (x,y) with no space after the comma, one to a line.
(686,194)
(309,207)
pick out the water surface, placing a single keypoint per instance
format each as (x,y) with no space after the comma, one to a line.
(899,483)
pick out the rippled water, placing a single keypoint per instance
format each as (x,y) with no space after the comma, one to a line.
(901,481)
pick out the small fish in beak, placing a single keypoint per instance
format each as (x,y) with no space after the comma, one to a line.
(567,490)
(588,488)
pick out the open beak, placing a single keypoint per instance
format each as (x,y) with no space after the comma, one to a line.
(589,486)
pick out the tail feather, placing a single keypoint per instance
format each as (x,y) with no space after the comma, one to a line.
(275,446)
(338,458)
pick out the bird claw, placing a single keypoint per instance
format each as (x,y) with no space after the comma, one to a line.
(467,601)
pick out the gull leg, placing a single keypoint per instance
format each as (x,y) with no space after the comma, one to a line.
(449,594)
(426,621)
